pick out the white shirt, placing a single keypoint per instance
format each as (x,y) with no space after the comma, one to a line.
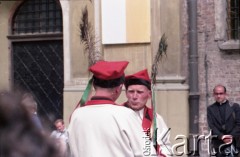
(60,135)
(163,136)
(105,131)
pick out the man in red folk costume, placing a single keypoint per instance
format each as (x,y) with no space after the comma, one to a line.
(101,127)
(138,92)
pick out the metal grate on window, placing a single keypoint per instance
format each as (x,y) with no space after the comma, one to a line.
(233,19)
(38,68)
(37,16)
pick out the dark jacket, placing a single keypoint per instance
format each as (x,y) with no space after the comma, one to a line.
(231,126)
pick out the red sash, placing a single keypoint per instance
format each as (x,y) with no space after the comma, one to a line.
(147,119)
(146,125)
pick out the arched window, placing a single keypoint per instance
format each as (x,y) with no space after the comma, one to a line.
(37,16)
(37,54)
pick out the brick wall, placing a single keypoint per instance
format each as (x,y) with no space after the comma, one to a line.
(222,67)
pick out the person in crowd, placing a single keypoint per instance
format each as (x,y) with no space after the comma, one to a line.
(19,136)
(138,93)
(102,127)
(223,119)
(61,135)
(29,102)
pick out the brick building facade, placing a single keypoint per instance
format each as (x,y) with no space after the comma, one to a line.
(218,56)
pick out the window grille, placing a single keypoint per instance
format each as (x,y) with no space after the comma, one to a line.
(37,16)
(37,54)
(38,68)
(233,19)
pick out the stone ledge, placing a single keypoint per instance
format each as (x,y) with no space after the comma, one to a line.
(171,87)
(230,45)
(74,88)
(171,79)
(173,83)
(76,85)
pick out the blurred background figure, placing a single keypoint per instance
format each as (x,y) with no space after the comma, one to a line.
(19,136)
(29,102)
(61,135)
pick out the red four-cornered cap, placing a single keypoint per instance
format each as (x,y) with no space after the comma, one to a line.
(143,74)
(139,78)
(108,70)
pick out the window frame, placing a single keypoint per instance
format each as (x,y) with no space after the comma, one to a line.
(233,19)
(221,35)
(37,17)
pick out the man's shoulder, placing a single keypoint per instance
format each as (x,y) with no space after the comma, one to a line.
(54,132)
(233,104)
(212,106)
(122,109)
(106,108)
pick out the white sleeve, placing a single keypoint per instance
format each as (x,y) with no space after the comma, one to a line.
(163,136)
(133,135)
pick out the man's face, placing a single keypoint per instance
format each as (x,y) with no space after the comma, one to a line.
(219,94)
(59,126)
(138,96)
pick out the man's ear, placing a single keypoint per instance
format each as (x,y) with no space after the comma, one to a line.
(150,94)
(126,90)
(120,88)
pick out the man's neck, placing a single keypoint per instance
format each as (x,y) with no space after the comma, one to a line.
(140,112)
(104,93)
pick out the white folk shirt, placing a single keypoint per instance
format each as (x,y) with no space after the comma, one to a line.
(105,130)
(163,136)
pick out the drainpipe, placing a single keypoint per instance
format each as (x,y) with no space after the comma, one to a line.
(193,78)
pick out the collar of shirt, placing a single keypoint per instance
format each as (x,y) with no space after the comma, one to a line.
(222,102)
(62,131)
(140,113)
